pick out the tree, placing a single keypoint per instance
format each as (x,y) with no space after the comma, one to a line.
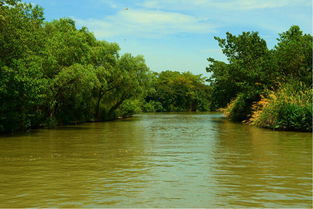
(22,85)
(71,98)
(20,34)
(247,70)
(54,73)
(132,78)
(176,91)
(253,70)
(104,56)
(65,45)
(293,54)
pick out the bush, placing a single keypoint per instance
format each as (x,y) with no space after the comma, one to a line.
(240,108)
(290,108)
(128,108)
(152,106)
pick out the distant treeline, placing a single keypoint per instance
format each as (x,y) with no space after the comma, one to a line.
(177,92)
(269,88)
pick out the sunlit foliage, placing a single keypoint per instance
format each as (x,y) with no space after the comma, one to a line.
(54,73)
(176,92)
(253,70)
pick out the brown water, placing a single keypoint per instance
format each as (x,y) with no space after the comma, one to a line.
(157,160)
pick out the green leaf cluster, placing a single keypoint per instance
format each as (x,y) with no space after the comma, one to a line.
(54,73)
(252,70)
(177,92)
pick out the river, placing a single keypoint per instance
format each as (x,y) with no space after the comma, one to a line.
(156,161)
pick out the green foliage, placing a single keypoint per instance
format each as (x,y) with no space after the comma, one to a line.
(65,46)
(248,69)
(253,70)
(22,84)
(129,108)
(223,84)
(20,31)
(293,54)
(71,93)
(22,92)
(177,92)
(294,117)
(290,108)
(152,106)
(240,108)
(53,73)
(128,80)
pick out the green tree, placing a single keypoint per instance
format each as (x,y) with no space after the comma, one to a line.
(131,81)
(65,45)
(22,86)
(54,73)
(104,56)
(293,54)
(177,91)
(253,70)
(248,70)
(71,96)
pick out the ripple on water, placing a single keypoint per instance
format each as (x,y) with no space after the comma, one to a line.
(157,160)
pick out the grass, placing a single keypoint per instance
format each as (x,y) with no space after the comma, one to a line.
(289,108)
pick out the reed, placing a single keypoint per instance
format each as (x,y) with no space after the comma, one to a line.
(289,108)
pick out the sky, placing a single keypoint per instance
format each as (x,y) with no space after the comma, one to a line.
(179,35)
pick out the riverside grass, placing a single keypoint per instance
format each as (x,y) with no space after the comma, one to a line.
(289,108)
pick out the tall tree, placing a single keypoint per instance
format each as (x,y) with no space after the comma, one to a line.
(22,84)
(293,53)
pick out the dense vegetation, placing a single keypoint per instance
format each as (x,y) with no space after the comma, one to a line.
(265,87)
(177,92)
(53,73)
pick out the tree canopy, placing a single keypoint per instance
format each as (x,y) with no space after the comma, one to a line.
(176,92)
(54,73)
(253,68)
(260,85)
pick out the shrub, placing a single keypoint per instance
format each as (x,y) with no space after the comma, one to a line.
(240,108)
(290,108)
(152,106)
(128,108)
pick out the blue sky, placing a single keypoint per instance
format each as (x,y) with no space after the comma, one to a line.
(179,34)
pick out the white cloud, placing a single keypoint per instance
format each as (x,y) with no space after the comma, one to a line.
(146,23)
(222,4)
(270,15)
(112,4)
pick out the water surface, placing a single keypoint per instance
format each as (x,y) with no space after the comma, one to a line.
(157,160)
